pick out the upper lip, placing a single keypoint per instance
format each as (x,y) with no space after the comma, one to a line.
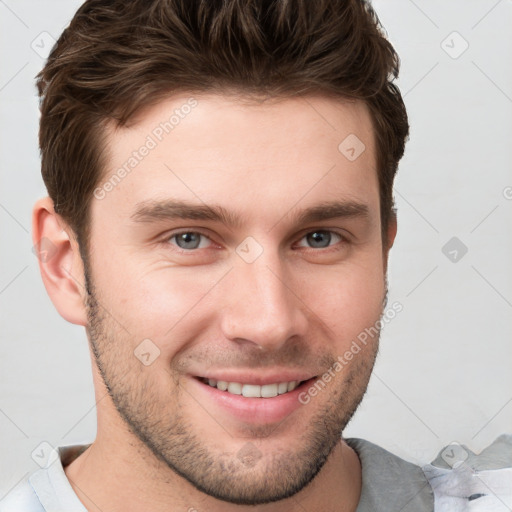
(256,378)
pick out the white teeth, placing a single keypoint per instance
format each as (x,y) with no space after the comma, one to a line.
(222,385)
(292,385)
(235,388)
(253,390)
(269,390)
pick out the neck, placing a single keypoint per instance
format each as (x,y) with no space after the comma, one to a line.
(119,474)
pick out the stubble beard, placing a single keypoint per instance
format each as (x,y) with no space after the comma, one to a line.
(171,438)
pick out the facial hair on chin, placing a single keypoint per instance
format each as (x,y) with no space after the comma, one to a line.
(275,476)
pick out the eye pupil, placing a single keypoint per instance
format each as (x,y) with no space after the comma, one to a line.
(188,240)
(319,239)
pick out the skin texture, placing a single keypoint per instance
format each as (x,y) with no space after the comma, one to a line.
(209,311)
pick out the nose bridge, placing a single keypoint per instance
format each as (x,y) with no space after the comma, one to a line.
(262,307)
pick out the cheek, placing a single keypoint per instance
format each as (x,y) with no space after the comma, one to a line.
(158,303)
(351,300)
(173,306)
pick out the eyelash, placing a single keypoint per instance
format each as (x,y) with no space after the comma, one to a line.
(343,240)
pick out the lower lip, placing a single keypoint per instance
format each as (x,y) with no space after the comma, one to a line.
(253,410)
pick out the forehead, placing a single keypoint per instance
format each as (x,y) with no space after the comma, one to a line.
(246,155)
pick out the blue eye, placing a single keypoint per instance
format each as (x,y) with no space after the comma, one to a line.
(190,240)
(320,239)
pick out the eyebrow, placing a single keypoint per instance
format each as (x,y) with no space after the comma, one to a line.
(151,211)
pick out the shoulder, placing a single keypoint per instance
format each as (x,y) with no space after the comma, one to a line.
(458,479)
(47,489)
(390,483)
(463,480)
(21,499)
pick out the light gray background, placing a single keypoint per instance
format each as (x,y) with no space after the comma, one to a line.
(444,370)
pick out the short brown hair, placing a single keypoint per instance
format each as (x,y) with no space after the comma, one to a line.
(119,56)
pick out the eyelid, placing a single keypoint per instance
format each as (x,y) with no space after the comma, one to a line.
(341,233)
(344,234)
(166,239)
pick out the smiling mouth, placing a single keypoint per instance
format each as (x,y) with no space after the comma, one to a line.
(253,390)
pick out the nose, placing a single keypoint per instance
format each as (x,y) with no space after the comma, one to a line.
(262,306)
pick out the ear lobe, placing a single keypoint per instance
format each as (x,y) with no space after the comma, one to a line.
(60,262)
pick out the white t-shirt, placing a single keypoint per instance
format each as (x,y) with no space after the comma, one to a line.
(457,480)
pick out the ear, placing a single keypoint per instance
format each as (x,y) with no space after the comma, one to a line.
(392,229)
(390,238)
(60,262)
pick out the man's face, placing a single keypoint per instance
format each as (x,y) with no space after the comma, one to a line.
(241,249)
